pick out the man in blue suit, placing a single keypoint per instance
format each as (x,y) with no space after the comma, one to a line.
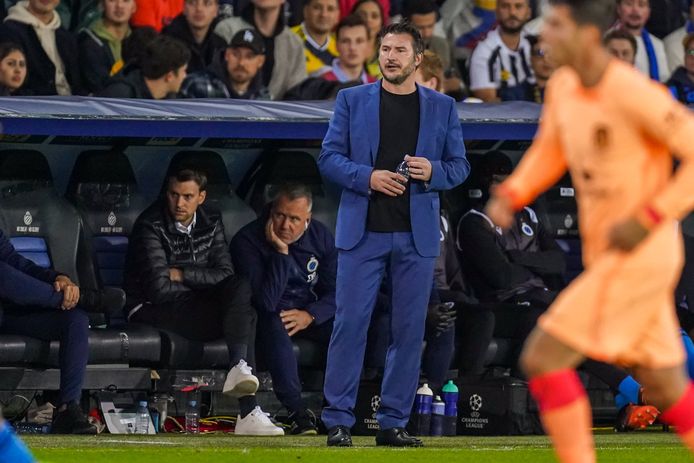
(387,221)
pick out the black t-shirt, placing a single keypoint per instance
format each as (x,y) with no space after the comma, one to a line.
(399,125)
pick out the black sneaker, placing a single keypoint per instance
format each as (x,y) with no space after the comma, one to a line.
(107,300)
(303,423)
(72,421)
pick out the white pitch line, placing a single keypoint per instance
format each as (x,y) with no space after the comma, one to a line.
(116,441)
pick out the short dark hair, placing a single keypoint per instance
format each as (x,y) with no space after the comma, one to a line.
(163,55)
(134,45)
(598,13)
(293,191)
(620,34)
(404,27)
(413,7)
(8,47)
(353,20)
(187,175)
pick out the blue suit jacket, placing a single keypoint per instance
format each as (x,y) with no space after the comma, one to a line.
(349,152)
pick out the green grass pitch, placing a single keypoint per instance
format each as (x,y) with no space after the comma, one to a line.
(651,447)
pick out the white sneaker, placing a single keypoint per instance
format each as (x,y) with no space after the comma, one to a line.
(240,381)
(257,423)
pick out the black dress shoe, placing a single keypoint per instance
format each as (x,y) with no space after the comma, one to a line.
(339,436)
(397,437)
(72,420)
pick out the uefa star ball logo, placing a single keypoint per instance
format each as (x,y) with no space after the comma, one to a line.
(475,402)
(375,403)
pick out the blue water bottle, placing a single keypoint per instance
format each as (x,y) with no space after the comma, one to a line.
(438,411)
(422,412)
(450,400)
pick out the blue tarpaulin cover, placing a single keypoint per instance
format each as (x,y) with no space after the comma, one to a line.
(211,118)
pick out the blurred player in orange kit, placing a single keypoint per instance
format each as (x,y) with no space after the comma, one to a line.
(614,130)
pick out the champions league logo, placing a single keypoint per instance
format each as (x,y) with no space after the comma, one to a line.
(475,402)
(375,403)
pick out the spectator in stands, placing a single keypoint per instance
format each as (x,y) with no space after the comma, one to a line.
(466,23)
(371,11)
(423,15)
(235,74)
(291,262)
(353,46)
(51,51)
(650,51)
(13,68)
(348,7)
(518,271)
(284,65)
(100,44)
(542,69)
(160,72)
(45,304)
(500,64)
(316,33)
(430,71)
(156,13)
(179,277)
(134,48)
(681,84)
(195,27)
(673,42)
(622,45)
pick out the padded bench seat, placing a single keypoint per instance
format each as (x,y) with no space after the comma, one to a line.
(179,352)
(136,345)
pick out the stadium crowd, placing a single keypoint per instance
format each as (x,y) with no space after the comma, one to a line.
(308,49)
(276,280)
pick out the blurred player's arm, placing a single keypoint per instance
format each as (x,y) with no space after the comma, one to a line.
(672,124)
(541,167)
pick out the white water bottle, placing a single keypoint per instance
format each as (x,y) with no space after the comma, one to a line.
(192,418)
(142,418)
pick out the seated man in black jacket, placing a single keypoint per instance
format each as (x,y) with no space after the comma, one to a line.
(179,277)
(291,262)
(517,271)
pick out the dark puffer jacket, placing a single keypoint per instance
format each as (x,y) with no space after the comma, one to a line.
(156,246)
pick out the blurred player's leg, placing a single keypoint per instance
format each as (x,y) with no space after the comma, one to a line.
(12,450)
(561,398)
(671,390)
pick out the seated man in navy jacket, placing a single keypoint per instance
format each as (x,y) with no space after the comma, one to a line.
(291,263)
(44,304)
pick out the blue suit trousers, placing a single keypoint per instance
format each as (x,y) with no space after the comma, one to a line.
(359,274)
